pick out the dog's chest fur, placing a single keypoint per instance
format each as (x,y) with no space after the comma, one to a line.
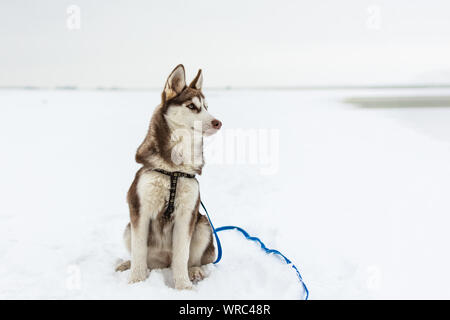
(153,192)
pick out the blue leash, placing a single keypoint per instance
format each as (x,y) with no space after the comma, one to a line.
(248,237)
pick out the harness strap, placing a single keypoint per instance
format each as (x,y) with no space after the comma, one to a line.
(173,188)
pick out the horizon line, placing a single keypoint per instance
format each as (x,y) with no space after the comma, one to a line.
(300,87)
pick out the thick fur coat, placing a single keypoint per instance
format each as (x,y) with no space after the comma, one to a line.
(174,142)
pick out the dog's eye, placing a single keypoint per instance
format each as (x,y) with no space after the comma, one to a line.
(191,106)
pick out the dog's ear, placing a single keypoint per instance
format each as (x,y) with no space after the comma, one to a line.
(198,81)
(175,82)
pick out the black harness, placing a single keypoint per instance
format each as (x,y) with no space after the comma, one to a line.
(173,187)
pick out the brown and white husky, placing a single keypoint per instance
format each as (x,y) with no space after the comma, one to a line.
(174,143)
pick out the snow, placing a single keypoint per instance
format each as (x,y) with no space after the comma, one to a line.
(356,197)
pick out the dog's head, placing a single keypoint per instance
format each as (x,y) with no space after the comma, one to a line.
(185,105)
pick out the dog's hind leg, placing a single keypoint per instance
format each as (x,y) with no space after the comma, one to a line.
(127,237)
(199,243)
(200,249)
(202,246)
(196,274)
(123,266)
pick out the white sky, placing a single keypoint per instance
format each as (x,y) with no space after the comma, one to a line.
(238,43)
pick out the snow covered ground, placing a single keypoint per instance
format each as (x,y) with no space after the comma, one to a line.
(357,198)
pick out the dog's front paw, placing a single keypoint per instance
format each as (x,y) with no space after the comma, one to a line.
(138,274)
(183,284)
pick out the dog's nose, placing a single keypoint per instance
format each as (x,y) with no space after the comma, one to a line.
(216,124)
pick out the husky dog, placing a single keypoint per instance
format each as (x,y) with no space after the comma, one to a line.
(174,143)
